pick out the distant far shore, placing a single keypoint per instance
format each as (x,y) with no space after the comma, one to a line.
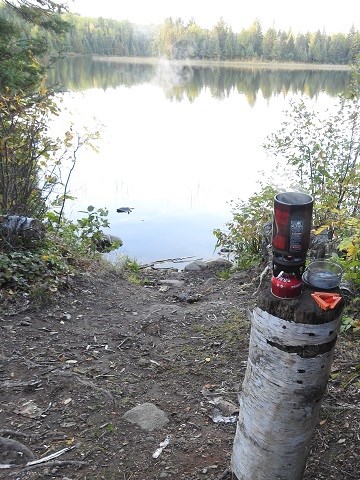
(228,63)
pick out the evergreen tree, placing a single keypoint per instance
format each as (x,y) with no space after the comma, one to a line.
(301,48)
(23,41)
(268,43)
(317,50)
(221,30)
(289,48)
(338,49)
(256,38)
(173,39)
(353,45)
(230,46)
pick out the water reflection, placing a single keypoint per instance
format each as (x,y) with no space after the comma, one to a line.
(177,144)
(185,82)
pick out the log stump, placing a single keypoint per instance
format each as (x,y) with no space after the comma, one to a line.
(291,351)
(19,231)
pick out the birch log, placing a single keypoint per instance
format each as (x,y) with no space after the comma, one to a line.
(18,230)
(286,377)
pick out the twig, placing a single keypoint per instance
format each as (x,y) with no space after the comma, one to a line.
(351,381)
(55,463)
(14,384)
(66,186)
(4,466)
(224,475)
(45,411)
(122,343)
(341,407)
(262,275)
(51,456)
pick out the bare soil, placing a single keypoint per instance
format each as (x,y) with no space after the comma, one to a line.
(71,367)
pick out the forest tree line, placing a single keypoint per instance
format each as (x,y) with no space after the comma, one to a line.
(176,39)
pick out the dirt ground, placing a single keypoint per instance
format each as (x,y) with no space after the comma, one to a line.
(72,367)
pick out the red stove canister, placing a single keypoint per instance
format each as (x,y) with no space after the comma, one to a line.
(286,285)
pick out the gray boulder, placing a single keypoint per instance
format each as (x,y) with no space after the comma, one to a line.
(147,416)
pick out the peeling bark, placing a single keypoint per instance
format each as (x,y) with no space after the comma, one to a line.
(286,377)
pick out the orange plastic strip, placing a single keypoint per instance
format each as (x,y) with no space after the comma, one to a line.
(325,300)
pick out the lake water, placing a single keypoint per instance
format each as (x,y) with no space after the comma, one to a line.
(177,144)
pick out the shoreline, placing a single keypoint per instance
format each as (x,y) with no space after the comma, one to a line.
(227,63)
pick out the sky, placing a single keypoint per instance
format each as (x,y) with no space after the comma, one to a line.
(300,16)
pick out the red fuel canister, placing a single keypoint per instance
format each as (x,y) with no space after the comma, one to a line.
(286,285)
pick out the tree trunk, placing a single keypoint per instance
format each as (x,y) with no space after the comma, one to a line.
(291,350)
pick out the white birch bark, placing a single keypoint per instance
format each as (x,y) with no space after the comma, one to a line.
(280,399)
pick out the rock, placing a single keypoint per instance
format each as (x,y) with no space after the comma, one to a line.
(213,265)
(147,416)
(125,210)
(321,245)
(196,266)
(143,362)
(219,264)
(107,243)
(188,297)
(172,282)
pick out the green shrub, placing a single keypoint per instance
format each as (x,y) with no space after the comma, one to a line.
(244,236)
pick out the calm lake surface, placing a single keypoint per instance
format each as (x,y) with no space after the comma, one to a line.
(177,144)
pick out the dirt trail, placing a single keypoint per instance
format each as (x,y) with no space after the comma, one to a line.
(70,369)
